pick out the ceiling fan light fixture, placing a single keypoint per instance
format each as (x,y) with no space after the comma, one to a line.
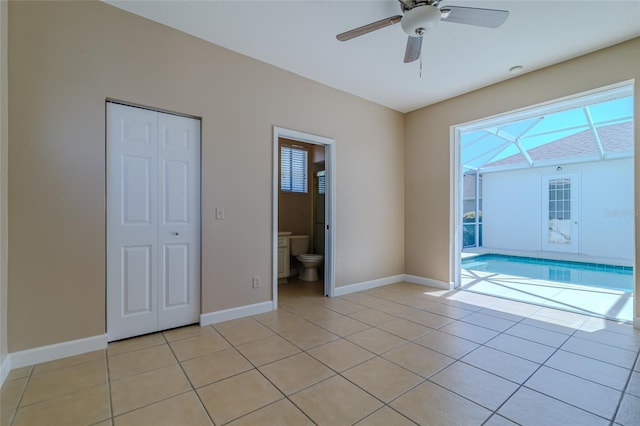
(419,20)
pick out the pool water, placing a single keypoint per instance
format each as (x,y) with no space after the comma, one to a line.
(610,277)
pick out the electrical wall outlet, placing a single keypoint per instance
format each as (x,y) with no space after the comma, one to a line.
(256,282)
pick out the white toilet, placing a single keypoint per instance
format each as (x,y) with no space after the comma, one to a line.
(299,246)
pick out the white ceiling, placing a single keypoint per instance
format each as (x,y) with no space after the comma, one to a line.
(299,36)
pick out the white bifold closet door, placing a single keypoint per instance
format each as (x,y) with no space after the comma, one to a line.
(153,221)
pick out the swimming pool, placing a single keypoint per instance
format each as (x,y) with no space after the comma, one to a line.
(610,277)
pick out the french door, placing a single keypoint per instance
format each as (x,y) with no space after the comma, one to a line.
(153,221)
(561,212)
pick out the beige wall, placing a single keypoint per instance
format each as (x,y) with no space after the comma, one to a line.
(427,151)
(4,136)
(65,58)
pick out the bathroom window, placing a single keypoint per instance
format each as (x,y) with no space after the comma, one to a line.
(322,182)
(293,169)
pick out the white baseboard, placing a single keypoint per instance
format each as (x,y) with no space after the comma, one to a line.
(5,368)
(57,351)
(235,313)
(367,285)
(428,282)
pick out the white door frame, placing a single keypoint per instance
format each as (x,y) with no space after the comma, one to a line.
(455,185)
(330,208)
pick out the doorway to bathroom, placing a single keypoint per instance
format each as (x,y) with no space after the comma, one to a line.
(303,215)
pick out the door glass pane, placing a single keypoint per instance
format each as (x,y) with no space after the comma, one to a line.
(559,211)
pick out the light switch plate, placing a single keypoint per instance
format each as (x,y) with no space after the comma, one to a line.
(219,213)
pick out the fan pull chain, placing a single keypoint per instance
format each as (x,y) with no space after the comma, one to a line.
(420,66)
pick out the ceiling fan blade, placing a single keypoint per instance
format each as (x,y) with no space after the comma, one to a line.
(348,35)
(414,47)
(490,18)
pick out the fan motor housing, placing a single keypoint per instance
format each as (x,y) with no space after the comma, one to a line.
(419,20)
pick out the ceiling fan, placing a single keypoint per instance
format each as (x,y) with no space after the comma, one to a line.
(420,16)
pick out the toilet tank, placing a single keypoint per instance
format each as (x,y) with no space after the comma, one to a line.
(298,244)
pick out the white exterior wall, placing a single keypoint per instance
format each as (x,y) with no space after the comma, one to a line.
(513,216)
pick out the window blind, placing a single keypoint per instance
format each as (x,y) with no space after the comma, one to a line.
(293,169)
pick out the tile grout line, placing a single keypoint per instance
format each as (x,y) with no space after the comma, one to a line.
(18,405)
(106,355)
(624,391)
(257,369)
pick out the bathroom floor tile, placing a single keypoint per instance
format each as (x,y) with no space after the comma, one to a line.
(340,355)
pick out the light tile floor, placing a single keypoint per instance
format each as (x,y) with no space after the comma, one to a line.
(396,355)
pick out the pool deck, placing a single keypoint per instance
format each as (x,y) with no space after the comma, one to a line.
(603,303)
